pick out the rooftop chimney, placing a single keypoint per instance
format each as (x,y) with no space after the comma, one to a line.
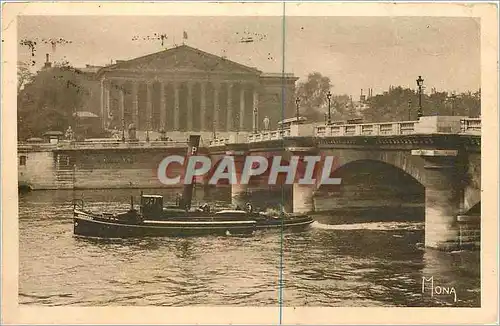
(362,98)
(47,64)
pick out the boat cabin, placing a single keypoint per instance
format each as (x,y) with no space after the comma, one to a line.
(151,205)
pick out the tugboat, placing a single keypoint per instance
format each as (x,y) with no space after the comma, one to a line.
(153,219)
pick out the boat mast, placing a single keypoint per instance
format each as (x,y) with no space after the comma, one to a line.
(187,196)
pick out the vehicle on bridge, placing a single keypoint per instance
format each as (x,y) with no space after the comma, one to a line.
(286,123)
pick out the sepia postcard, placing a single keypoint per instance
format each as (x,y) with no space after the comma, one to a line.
(249,163)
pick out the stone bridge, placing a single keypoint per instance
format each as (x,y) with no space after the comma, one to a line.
(443,154)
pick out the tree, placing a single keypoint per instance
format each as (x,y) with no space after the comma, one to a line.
(24,75)
(314,102)
(312,95)
(49,101)
(393,105)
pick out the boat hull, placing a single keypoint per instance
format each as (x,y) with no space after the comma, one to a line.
(296,224)
(181,224)
(89,226)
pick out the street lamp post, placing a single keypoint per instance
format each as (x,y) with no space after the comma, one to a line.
(453,97)
(329,96)
(297,101)
(255,120)
(214,125)
(409,109)
(420,83)
(123,130)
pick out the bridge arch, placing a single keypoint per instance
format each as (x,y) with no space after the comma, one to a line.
(370,164)
(402,160)
(371,183)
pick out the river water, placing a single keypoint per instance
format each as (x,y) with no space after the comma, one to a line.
(364,262)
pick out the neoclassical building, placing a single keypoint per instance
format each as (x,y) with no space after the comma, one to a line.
(186,89)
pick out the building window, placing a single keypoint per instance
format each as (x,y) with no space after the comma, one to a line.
(22,160)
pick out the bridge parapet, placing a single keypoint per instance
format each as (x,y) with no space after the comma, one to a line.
(269,135)
(367,129)
(471,126)
(425,125)
(101,144)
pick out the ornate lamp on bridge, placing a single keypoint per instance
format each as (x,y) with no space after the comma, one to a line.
(453,97)
(329,96)
(297,101)
(409,109)
(420,83)
(123,130)
(255,120)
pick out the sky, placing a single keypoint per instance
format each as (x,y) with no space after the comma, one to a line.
(354,52)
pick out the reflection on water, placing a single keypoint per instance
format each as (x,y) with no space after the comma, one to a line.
(373,262)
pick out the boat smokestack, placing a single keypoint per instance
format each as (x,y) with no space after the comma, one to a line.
(193,144)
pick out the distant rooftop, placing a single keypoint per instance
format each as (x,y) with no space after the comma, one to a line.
(90,68)
(276,74)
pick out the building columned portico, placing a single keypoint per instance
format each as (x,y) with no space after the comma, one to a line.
(185,89)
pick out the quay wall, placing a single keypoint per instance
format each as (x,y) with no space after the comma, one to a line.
(93,169)
(37,170)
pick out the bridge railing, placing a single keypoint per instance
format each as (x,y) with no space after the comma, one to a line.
(269,135)
(77,145)
(219,141)
(425,125)
(471,125)
(366,129)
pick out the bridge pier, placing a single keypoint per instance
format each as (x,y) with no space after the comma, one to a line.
(303,194)
(239,191)
(303,201)
(442,198)
(239,195)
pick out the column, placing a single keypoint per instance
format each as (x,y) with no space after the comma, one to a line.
(106,104)
(216,106)
(189,119)
(163,107)
(176,106)
(255,117)
(242,108)
(122,101)
(103,119)
(149,104)
(203,105)
(135,103)
(442,198)
(229,124)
